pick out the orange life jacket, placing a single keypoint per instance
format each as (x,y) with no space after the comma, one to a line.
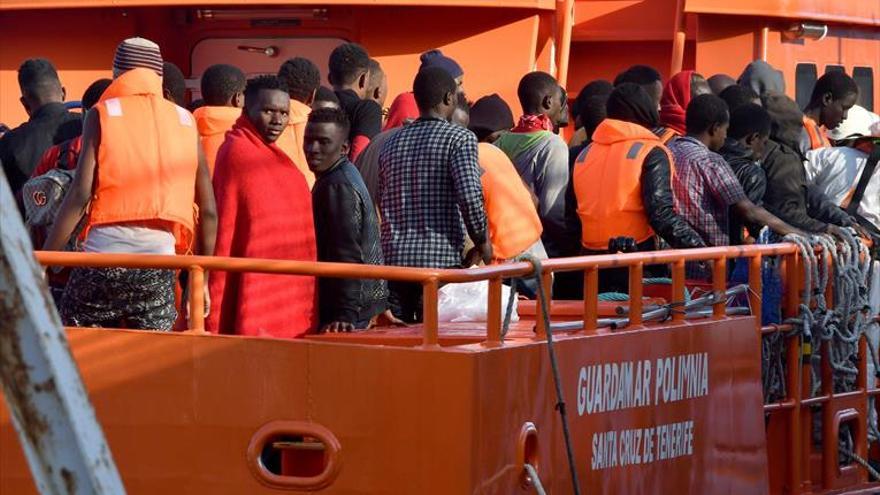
(514,224)
(816,133)
(147,158)
(607,183)
(667,134)
(213,123)
(291,140)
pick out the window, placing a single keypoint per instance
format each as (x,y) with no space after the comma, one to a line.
(805,76)
(864,77)
(834,68)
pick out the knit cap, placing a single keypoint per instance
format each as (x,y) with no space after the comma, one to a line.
(490,114)
(435,58)
(135,53)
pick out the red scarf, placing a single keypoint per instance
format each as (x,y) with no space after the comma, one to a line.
(533,123)
(675,100)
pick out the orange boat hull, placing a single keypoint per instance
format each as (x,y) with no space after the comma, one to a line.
(181,411)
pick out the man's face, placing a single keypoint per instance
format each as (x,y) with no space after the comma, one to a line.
(835,111)
(558,111)
(758,144)
(324,143)
(269,113)
(655,91)
(718,136)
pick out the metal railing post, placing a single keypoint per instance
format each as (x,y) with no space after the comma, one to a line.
(493,315)
(635,293)
(591,298)
(197,299)
(429,312)
(678,288)
(719,285)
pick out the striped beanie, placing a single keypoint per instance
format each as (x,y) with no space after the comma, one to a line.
(135,53)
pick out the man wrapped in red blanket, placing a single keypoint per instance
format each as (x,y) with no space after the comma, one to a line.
(265,211)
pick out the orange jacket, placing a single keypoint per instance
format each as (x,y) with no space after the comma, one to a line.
(607,184)
(291,140)
(514,224)
(667,134)
(818,139)
(213,122)
(147,158)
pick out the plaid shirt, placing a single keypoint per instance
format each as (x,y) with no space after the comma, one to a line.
(429,181)
(704,187)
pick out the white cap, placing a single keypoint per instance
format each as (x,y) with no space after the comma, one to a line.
(859,123)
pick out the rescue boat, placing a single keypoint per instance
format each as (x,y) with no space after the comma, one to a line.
(661,395)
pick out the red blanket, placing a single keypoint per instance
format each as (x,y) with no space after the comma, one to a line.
(265,211)
(675,100)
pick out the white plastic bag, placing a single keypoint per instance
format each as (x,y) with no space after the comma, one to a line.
(468,302)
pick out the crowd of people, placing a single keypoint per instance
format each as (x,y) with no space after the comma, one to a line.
(282,167)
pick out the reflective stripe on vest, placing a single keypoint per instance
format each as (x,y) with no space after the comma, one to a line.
(817,136)
(146,165)
(607,185)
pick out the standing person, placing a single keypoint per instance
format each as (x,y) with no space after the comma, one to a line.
(834,94)
(514,225)
(350,76)
(378,89)
(720,82)
(622,183)
(736,96)
(64,155)
(704,185)
(173,84)
(743,150)
(140,173)
(429,191)
(49,122)
(645,76)
(325,98)
(404,106)
(265,211)
(762,78)
(838,171)
(584,104)
(222,88)
(540,156)
(303,80)
(677,95)
(788,196)
(346,226)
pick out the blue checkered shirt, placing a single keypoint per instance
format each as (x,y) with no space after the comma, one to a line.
(429,190)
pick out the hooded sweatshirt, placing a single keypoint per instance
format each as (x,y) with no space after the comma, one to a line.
(762,78)
(788,196)
(213,123)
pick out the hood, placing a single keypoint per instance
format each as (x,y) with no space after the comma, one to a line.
(787,120)
(612,131)
(134,82)
(676,98)
(215,120)
(762,78)
(402,111)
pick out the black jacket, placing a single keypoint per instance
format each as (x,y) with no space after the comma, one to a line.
(22,147)
(753,181)
(656,180)
(657,197)
(788,196)
(347,231)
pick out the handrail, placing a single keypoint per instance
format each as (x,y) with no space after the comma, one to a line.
(431,279)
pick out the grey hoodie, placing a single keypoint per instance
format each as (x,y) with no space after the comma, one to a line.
(762,78)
